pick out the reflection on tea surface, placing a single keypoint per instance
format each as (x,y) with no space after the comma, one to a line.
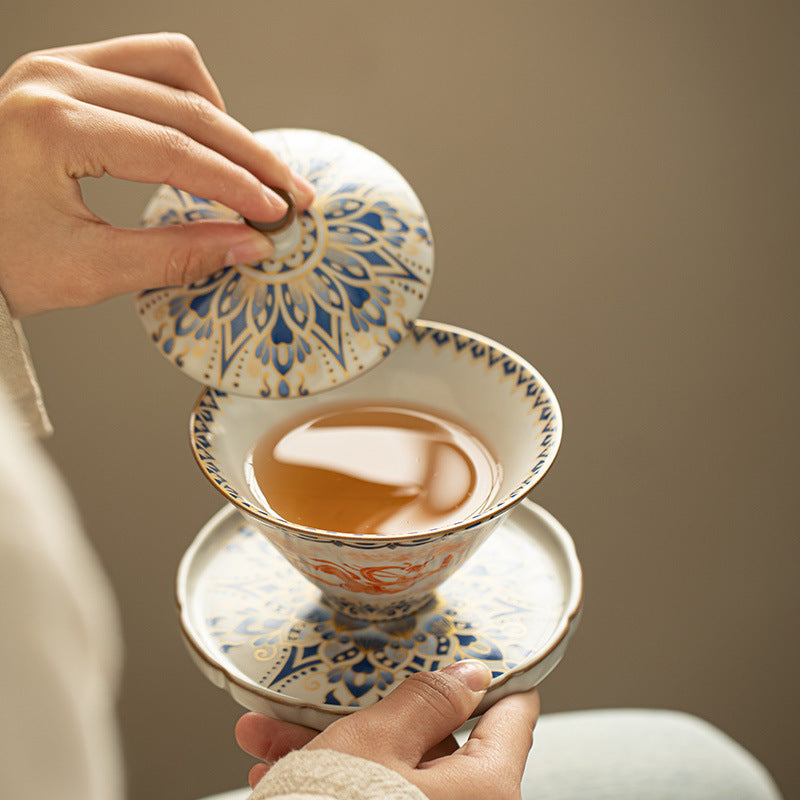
(373,469)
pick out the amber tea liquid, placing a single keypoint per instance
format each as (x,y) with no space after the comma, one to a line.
(373,469)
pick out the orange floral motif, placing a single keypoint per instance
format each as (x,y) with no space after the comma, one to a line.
(375,580)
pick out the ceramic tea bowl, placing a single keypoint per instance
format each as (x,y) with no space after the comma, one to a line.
(463,375)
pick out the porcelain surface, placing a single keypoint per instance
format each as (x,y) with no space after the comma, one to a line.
(333,307)
(256,628)
(467,376)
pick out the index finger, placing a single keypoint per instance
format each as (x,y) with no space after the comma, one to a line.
(270,739)
(136,149)
(171,59)
(505,732)
(492,761)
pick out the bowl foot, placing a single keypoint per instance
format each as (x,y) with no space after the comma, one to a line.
(366,610)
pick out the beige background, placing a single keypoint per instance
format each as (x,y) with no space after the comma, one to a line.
(613,189)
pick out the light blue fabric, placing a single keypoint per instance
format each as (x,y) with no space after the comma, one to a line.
(638,754)
(633,754)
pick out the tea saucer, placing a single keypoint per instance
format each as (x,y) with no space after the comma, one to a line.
(255,627)
(350,277)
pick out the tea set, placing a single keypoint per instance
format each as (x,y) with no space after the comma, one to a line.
(307,624)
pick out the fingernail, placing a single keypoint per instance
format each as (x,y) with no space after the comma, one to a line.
(474,674)
(275,200)
(303,186)
(256,247)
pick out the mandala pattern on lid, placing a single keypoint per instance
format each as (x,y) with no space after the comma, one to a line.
(334,307)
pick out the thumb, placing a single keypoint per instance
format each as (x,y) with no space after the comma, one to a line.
(422,711)
(174,255)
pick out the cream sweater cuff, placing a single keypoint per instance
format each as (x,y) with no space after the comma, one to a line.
(329,775)
(16,371)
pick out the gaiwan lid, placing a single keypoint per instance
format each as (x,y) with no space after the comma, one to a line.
(348,278)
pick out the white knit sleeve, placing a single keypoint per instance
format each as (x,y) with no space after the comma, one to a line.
(330,775)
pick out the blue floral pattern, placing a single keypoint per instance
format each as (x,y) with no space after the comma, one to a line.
(260,618)
(340,302)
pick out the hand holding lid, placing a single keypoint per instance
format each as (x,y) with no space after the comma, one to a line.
(348,278)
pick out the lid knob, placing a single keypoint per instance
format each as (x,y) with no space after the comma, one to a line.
(286,232)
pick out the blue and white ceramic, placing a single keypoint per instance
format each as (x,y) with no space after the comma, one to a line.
(468,377)
(354,278)
(256,628)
